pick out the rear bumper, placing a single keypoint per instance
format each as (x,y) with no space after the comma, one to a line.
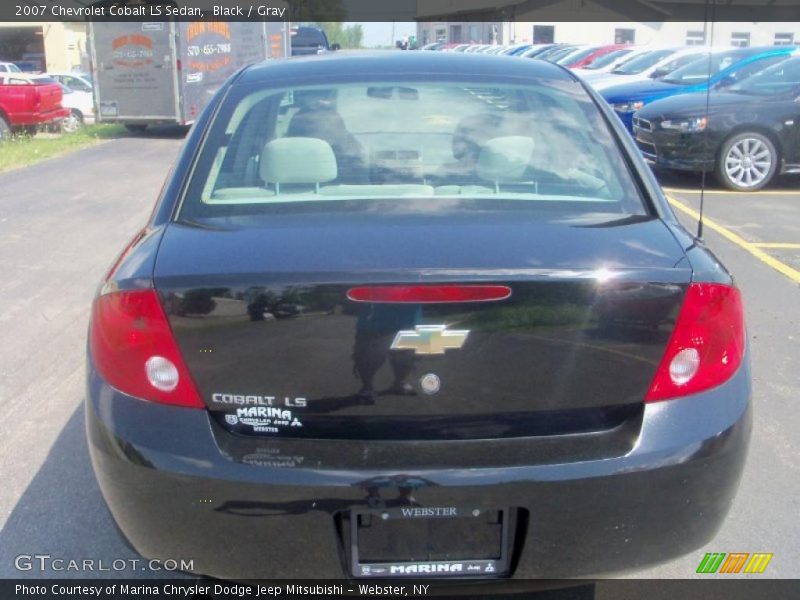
(39,118)
(176,492)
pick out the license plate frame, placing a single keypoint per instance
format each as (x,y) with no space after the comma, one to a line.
(452,568)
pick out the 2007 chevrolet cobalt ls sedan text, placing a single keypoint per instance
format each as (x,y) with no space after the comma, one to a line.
(408,315)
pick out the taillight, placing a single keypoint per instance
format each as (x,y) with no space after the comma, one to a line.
(706,346)
(134,350)
(428,294)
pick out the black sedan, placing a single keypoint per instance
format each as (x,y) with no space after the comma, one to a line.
(750,134)
(415,315)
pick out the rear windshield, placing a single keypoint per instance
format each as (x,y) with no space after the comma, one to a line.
(308,37)
(409,146)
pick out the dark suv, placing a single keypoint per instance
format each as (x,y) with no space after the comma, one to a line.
(310,40)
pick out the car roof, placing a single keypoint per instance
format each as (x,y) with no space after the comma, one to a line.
(742,53)
(377,66)
(67,74)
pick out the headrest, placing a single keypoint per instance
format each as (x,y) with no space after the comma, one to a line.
(471,134)
(298,160)
(505,159)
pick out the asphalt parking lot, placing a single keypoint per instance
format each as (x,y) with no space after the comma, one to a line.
(63,221)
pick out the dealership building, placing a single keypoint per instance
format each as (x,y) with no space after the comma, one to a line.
(662,22)
(50,46)
(610,32)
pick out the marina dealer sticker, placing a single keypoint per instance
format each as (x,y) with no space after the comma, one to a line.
(264,419)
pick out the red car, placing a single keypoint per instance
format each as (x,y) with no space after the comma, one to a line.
(27,102)
(589,55)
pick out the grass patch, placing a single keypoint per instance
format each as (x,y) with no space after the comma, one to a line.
(21,151)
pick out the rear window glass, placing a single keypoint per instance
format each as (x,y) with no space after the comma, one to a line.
(308,37)
(409,146)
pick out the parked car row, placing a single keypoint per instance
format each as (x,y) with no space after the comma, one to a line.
(50,100)
(731,111)
(28,102)
(746,133)
(569,55)
(748,147)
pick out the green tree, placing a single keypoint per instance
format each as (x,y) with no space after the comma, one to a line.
(353,36)
(347,37)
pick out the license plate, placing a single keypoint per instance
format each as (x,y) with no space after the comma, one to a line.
(109,109)
(430,542)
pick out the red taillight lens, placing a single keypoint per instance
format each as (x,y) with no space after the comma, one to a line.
(422,294)
(707,344)
(134,350)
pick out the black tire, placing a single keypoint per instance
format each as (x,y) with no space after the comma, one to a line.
(5,130)
(135,127)
(747,162)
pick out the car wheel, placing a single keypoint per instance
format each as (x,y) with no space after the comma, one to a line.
(73,122)
(747,162)
(135,128)
(5,130)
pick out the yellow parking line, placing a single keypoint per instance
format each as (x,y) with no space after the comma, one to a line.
(670,190)
(783,245)
(782,268)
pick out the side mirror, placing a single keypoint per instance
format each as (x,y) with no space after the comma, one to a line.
(726,81)
(659,73)
(335,47)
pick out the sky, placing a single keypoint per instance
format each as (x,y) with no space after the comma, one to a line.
(380,34)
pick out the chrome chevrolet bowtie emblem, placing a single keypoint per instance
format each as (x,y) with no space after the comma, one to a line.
(430,339)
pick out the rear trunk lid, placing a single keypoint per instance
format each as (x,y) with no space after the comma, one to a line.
(277,348)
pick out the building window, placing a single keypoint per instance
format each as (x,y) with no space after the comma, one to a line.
(441,34)
(740,40)
(784,39)
(474,34)
(695,38)
(624,36)
(455,34)
(544,34)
